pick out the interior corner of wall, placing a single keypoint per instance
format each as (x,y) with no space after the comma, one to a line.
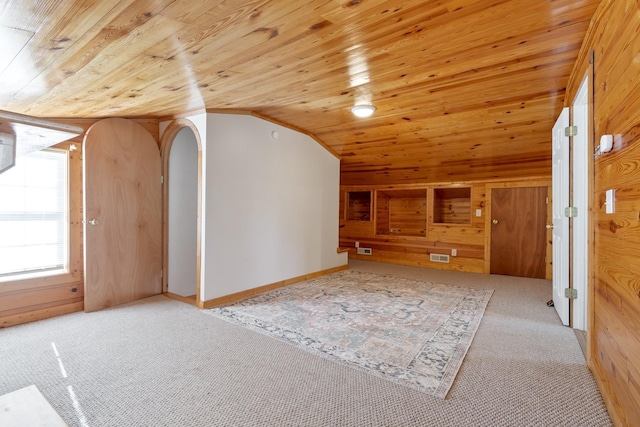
(345,258)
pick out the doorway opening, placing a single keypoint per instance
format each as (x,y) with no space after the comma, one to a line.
(181,151)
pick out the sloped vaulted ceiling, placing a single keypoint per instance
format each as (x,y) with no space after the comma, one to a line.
(464,89)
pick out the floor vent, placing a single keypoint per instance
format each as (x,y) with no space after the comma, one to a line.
(438,258)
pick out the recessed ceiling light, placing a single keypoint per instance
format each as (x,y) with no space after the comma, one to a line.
(363,110)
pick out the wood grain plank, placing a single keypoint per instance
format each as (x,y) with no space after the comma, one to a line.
(422,260)
(613,372)
(408,211)
(40,313)
(21,301)
(487,96)
(123,256)
(614,285)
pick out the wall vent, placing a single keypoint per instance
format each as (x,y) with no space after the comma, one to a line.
(438,258)
(364,251)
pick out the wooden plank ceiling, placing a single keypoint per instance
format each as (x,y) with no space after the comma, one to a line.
(464,89)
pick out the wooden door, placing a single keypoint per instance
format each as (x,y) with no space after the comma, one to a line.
(518,231)
(122,211)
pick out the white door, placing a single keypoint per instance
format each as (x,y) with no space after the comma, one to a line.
(560,185)
(580,241)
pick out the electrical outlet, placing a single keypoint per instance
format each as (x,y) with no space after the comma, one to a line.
(478,212)
(357,244)
(454,252)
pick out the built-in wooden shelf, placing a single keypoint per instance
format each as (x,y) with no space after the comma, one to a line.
(359,205)
(401,212)
(452,205)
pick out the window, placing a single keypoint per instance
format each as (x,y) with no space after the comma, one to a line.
(34,205)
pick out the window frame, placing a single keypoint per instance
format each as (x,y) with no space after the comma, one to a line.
(74,273)
(60,217)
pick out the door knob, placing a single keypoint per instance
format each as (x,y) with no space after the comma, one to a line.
(495,221)
(93,221)
(549,226)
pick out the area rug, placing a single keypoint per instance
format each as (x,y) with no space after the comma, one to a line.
(410,332)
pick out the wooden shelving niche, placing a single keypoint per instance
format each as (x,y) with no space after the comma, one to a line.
(452,205)
(401,212)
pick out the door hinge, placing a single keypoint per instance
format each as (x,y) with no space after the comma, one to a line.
(547,200)
(161,179)
(161,272)
(571,131)
(571,212)
(571,293)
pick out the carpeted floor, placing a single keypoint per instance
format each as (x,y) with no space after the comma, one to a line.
(159,362)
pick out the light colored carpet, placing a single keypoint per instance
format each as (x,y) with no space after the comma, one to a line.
(159,362)
(411,332)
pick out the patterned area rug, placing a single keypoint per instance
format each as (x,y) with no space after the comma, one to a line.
(414,333)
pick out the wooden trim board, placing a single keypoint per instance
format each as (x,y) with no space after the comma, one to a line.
(530,181)
(45,313)
(166,142)
(228,299)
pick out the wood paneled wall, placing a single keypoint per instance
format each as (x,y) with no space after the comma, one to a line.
(27,300)
(614,315)
(408,215)
(411,221)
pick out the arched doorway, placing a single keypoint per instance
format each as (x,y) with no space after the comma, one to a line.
(181,153)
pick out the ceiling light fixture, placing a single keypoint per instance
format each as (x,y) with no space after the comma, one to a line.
(363,110)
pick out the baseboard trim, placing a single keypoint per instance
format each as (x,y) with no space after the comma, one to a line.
(189,300)
(45,313)
(231,298)
(581,336)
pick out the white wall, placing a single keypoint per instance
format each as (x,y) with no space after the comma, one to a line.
(271,209)
(183,202)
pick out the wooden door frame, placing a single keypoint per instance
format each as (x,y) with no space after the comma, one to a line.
(586,82)
(166,142)
(592,205)
(487,219)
